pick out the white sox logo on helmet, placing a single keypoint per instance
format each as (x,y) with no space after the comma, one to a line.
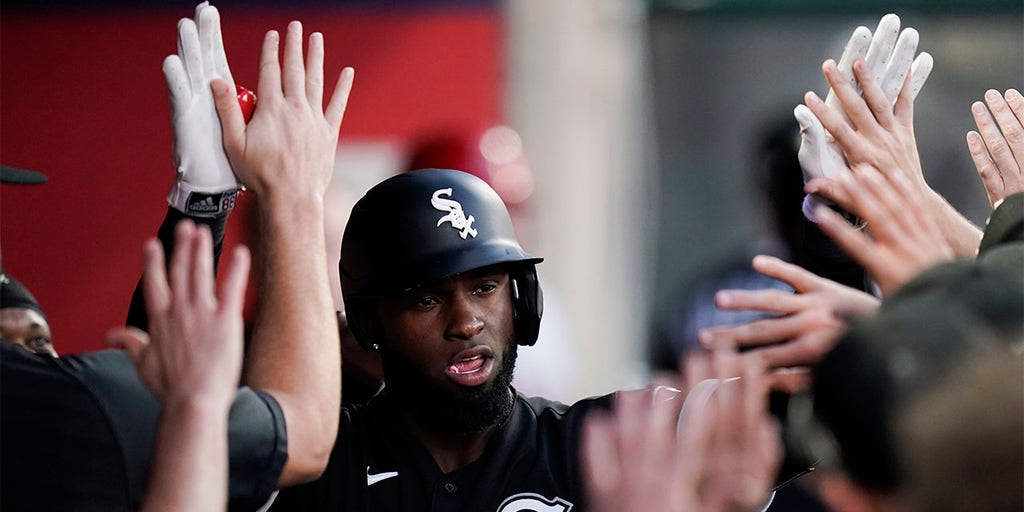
(455,214)
(530,502)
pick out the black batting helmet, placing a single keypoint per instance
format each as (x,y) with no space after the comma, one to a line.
(422,226)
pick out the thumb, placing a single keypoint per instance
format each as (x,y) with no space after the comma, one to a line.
(133,340)
(810,127)
(231,121)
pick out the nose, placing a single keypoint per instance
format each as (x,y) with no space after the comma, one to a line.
(464,322)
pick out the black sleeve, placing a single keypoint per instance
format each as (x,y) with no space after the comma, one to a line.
(258,448)
(137,308)
(1005,224)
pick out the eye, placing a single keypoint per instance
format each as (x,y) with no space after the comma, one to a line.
(485,288)
(425,301)
(39,343)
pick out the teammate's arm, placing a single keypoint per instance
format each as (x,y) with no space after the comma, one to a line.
(191,360)
(285,156)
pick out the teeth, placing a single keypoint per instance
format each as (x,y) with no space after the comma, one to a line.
(455,368)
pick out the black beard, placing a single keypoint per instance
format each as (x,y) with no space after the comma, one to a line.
(461,413)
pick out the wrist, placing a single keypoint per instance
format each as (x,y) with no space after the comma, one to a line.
(202,201)
(199,404)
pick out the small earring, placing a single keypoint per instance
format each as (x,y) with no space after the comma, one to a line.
(375,347)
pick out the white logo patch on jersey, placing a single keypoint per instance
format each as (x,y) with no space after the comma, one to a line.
(372,478)
(455,214)
(530,502)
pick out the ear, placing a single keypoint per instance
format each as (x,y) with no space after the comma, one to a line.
(365,323)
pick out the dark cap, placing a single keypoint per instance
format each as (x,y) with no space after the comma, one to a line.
(14,295)
(18,176)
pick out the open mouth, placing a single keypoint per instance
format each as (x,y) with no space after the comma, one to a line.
(471,367)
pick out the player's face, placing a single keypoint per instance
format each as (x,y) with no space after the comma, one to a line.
(449,350)
(27,328)
(457,330)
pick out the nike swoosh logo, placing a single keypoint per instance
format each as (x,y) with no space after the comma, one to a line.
(378,477)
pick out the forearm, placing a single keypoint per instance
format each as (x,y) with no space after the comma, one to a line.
(137,309)
(190,462)
(961,234)
(295,351)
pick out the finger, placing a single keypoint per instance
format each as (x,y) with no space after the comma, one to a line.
(1013,132)
(797,277)
(871,109)
(156,293)
(339,99)
(829,189)
(294,72)
(131,339)
(818,334)
(1016,102)
(190,52)
(856,48)
(903,108)
(919,72)
(755,333)
(211,17)
(232,123)
(766,300)
(206,25)
(789,380)
(269,82)
(201,273)
(179,91)
(236,278)
(994,140)
(753,394)
(862,114)
(315,71)
(899,65)
(987,171)
(180,268)
(843,133)
(600,460)
(882,43)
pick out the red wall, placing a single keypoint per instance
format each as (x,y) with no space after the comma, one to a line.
(82,99)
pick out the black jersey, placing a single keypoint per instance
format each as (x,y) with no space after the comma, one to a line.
(78,433)
(530,463)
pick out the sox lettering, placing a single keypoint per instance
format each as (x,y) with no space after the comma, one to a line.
(455,214)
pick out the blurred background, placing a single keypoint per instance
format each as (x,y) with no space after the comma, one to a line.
(630,137)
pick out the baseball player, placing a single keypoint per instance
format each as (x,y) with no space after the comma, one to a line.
(434,279)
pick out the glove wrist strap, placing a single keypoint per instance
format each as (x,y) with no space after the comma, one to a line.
(202,201)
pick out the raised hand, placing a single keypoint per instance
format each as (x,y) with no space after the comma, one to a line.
(717,451)
(193,348)
(870,133)
(289,145)
(997,148)
(889,59)
(285,156)
(904,240)
(205,185)
(809,321)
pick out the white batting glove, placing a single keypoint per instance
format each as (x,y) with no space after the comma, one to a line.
(205,185)
(889,54)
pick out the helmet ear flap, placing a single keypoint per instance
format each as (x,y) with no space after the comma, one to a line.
(528,304)
(365,325)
